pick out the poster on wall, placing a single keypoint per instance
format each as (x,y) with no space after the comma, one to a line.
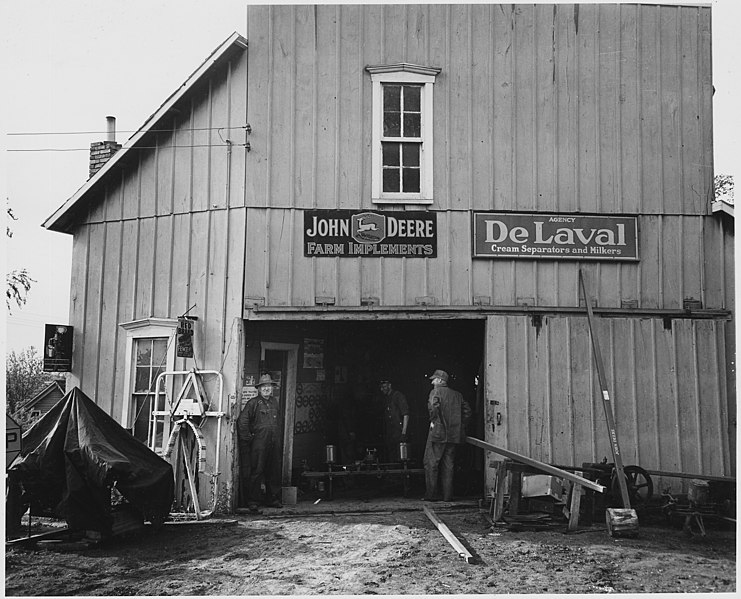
(58,348)
(313,353)
(554,236)
(353,233)
(184,346)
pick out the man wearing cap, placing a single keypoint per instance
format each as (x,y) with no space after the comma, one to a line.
(395,419)
(257,427)
(449,414)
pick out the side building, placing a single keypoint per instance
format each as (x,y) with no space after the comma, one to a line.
(364,191)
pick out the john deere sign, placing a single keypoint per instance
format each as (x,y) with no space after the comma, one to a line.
(351,233)
(554,236)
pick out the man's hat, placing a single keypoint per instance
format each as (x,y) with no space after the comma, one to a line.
(441,374)
(266,379)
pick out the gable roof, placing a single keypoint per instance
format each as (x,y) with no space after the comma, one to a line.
(45,392)
(61,219)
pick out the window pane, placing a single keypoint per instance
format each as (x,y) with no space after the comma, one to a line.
(411,98)
(391,154)
(142,378)
(159,352)
(392,124)
(410,154)
(392,98)
(411,180)
(144,351)
(391,179)
(412,125)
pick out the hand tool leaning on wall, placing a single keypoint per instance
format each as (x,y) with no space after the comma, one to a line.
(620,522)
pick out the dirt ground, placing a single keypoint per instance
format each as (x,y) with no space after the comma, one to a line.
(375,548)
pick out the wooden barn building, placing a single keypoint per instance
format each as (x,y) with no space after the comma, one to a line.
(353,192)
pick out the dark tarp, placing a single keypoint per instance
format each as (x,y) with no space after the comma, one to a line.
(73,455)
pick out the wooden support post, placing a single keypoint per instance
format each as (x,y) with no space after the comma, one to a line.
(449,536)
(497,505)
(576,491)
(515,491)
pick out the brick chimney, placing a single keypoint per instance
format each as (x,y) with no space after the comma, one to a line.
(102,151)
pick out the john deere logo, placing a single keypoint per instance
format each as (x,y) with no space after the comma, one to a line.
(368,227)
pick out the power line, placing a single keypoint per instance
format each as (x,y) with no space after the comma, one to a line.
(214,145)
(29,133)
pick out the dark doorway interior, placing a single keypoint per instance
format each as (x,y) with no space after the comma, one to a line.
(356,356)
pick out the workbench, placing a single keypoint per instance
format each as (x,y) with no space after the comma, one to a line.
(402,470)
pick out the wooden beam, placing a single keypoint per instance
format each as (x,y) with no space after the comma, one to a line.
(574,478)
(449,536)
(724,479)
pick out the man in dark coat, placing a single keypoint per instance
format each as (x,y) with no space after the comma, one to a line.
(395,419)
(257,427)
(449,414)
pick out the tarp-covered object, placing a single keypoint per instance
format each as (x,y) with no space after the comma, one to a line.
(76,452)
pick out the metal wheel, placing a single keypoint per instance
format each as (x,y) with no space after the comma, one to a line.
(640,486)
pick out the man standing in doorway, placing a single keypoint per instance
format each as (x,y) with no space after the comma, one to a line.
(395,419)
(449,414)
(258,429)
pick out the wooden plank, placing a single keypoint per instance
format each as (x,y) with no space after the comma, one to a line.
(566,77)
(326,45)
(517,425)
(220,153)
(304,108)
(504,109)
(107,388)
(545,146)
(482,140)
(574,506)
(201,153)
(688,410)
(449,536)
(672,273)
(670,99)
(538,391)
(524,116)
(646,382)
(587,92)
(562,400)
(609,410)
(711,396)
(417,34)
(629,95)
(608,111)
(667,412)
(458,135)
(725,479)
(350,120)
(536,464)
(649,55)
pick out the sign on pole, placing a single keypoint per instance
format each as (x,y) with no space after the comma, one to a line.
(12,440)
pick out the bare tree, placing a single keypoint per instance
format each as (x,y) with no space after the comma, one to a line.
(18,282)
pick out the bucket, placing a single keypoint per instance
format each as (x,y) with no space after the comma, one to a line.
(289,495)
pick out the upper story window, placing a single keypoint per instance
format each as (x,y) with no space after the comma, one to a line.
(402,133)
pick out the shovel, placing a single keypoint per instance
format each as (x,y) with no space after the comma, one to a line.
(620,522)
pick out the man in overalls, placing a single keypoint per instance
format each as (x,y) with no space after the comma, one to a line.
(258,430)
(449,415)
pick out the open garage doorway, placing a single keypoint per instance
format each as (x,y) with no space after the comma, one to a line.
(337,399)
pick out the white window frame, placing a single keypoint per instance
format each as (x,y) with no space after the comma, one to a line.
(141,329)
(404,74)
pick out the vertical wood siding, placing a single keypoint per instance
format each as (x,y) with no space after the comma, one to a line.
(167,235)
(578,108)
(667,385)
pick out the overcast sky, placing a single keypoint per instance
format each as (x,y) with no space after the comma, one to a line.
(67,64)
